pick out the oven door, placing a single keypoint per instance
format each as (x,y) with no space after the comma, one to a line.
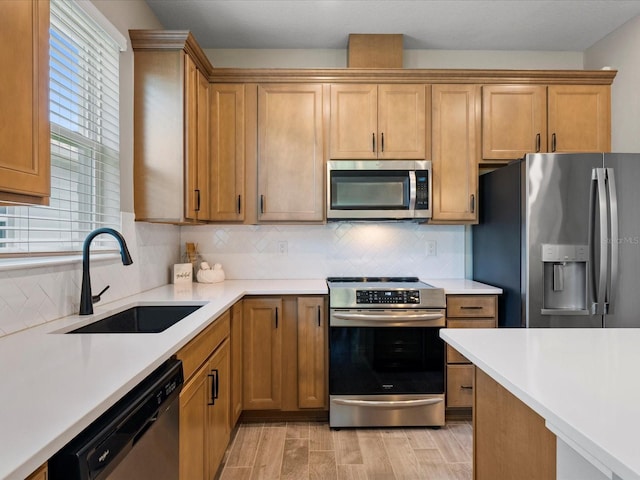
(384,370)
(385,360)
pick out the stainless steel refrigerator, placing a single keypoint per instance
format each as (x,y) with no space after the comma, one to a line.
(560,234)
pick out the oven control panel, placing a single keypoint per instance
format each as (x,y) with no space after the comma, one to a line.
(393,297)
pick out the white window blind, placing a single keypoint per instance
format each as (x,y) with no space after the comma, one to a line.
(85,167)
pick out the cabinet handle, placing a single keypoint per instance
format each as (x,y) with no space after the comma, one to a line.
(214,389)
(473,203)
(382,141)
(466,387)
(261,203)
(197,199)
(239,204)
(472,307)
(318,315)
(276,317)
(373,142)
(553,142)
(537,143)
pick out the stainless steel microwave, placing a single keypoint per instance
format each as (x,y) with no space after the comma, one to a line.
(379,190)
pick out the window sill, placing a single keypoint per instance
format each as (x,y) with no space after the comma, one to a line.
(23,263)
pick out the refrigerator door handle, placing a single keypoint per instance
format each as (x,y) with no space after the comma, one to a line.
(599,285)
(612,281)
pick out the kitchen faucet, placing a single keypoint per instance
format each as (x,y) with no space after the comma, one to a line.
(86,299)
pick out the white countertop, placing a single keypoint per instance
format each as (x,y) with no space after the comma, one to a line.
(461,286)
(54,385)
(583,382)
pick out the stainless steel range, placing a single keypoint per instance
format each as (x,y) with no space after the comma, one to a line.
(387,362)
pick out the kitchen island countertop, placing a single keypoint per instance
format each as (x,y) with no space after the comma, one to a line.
(582,382)
(54,385)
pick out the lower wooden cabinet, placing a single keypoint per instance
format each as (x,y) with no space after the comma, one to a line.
(262,327)
(236,363)
(466,311)
(312,353)
(204,402)
(284,353)
(41,474)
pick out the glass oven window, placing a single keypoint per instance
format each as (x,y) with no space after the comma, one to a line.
(374,360)
(374,190)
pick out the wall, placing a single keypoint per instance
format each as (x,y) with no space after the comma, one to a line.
(619,50)
(37,294)
(327,58)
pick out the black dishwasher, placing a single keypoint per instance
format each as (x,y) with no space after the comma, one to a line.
(137,438)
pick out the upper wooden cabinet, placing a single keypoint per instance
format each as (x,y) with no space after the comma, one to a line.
(579,118)
(456,151)
(171,127)
(290,164)
(25,152)
(521,119)
(371,121)
(514,120)
(227,189)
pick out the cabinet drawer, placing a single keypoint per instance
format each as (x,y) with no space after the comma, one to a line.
(459,385)
(194,353)
(471,306)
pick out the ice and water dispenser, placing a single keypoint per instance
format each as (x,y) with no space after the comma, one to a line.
(565,279)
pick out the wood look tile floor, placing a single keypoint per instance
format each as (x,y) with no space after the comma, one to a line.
(299,451)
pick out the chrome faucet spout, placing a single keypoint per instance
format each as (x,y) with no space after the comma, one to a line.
(86,300)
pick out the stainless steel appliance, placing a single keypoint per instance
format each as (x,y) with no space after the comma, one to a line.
(386,359)
(560,234)
(380,190)
(136,438)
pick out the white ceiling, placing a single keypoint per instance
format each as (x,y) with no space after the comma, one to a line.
(545,25)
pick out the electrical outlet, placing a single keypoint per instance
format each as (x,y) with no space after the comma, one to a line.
(283,247)
(431,248)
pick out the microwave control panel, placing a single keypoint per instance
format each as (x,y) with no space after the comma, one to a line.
(422,190)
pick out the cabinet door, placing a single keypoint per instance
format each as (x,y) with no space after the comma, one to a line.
(401,122)
(203,166)
(24,96)
(514,121)
(218,429)
(455,147)
(312,353)
(354,121)
(197,142)
(227,152)
(236,364)
(262,353)
(193,426)
(290,153)
(579,118)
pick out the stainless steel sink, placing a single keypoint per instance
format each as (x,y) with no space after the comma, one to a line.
(140,319)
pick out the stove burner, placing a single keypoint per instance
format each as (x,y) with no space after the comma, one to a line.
(371,279)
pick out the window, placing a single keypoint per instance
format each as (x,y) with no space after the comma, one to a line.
(85,171)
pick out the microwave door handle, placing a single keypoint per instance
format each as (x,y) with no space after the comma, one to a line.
(412,190)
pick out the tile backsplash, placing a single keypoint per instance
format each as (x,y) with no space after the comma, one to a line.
(35,295)
(334,249)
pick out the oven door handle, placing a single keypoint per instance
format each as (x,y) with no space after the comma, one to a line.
(388,403)
(398,317)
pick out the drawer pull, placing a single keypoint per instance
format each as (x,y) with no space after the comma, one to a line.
(472,307)
(466,387)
